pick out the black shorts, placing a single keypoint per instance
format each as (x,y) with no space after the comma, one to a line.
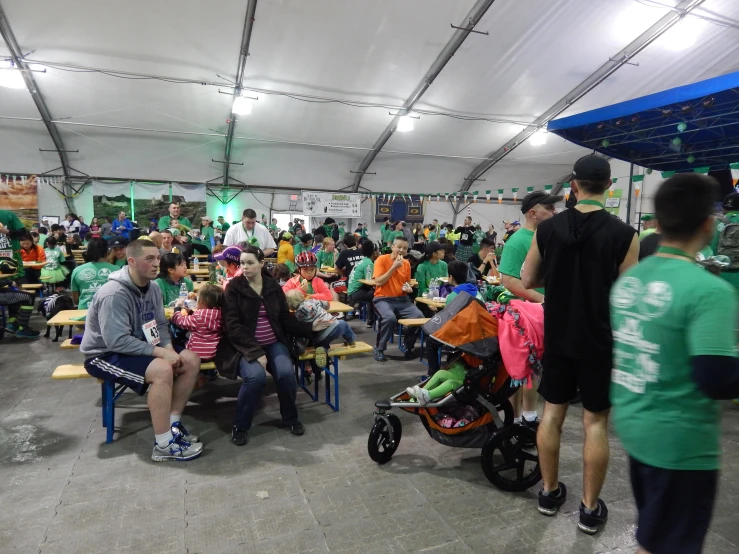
(563,377)
(121,368)
(674,507)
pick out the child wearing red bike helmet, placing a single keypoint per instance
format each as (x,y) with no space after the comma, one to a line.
(313,287)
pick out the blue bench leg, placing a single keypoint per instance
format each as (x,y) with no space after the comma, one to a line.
(334,377)
(300,375)
(109,410)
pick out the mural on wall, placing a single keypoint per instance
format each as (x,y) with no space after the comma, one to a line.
(150,201)
(19,194)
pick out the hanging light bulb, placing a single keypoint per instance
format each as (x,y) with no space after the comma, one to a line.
(10,77)
(691,159)
(241,106)
(539,138)
(405,124)
(677,141)
(606,143)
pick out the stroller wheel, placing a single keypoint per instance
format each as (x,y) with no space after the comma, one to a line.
(379,445)
(508,463)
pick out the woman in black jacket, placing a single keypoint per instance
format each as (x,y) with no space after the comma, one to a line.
(256,324)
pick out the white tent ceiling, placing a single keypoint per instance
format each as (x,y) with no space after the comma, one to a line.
(356,51)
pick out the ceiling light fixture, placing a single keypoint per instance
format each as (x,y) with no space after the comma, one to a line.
(10,77)
(683,34)
(539,138)
(405,124)
(242,105)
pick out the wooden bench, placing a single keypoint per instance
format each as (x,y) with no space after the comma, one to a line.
(335,353)
(67,345)
(111,391)
(416,322)
(32,286)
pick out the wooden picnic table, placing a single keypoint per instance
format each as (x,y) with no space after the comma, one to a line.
(65,317)
(329,270)
(429,302)
(335,306)
(372,283)
(200,256)
(197,271)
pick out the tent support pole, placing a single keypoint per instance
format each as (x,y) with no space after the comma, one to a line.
(631,187)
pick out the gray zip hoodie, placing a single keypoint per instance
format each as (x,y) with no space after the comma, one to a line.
(116,316)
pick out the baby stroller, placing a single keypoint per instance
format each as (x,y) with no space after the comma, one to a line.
(478,414)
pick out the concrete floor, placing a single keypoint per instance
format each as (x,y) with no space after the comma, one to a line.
(63,490)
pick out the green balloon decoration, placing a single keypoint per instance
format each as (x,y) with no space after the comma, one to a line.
(677,141)
(649,171)
(682,126)
(691,159)
(606,143)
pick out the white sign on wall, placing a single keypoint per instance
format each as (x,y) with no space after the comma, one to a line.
(343,204)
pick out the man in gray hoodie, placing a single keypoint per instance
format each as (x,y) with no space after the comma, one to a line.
(126,340)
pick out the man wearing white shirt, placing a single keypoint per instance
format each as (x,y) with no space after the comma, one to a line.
(252,232)
(70,224)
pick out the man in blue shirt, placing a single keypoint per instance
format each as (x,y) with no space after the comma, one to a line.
(122,225)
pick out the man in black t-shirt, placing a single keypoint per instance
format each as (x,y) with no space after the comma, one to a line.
(466,234)
(577,255)
(485,260)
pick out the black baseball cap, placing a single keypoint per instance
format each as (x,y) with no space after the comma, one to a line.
(117,242)
(731,202)
(538,197)
(592,168)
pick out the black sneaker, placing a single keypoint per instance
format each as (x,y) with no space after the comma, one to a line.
(550,503)
(408,353)
(590,522)
(297,429)
(239,437)
(379,355)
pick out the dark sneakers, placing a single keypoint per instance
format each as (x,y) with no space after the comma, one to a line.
(550,502)
(239,437)
(590,521)
(296,428)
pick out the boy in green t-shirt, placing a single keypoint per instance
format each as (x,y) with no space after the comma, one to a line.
(359,292)
(674,357)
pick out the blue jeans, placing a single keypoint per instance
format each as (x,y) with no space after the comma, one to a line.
(391,309)
(341,330)
(280,366)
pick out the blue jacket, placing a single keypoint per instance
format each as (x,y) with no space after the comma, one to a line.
(124,225)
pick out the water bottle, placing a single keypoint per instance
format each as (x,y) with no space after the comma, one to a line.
(368,272)
(196,264)
(183,292)
(434,289)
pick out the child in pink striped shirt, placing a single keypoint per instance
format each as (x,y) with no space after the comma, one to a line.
(205,323)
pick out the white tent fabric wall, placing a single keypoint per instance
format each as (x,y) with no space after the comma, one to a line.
(350,51)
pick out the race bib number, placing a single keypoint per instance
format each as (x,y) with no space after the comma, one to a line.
(6,254)
(465,236)
(151,332)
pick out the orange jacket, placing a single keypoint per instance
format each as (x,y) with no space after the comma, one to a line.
(36,254)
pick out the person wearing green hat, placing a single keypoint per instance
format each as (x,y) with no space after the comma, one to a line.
(342,231)
(649,225)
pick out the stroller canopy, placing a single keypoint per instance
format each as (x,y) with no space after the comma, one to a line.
(465,324)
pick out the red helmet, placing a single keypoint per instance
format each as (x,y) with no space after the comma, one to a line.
(306,259)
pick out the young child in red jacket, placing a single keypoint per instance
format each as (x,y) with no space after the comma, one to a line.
(313,287)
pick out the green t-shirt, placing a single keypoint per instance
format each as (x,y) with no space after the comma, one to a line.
(165,222)
(342,233)
(88,278)
(11,248)
(432,236)
(224,227)
(171,291)
(427,271)
(478,236)
(120,263)
(273,227)
(664,311)
(359,272)
(298,248)
(646,233)
(325,259)
(392,235)
(515,252)
(731,277)
(385,233)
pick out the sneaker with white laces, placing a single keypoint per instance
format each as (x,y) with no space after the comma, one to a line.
(178,449)
(179,429)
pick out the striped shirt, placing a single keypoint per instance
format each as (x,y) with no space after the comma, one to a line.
(264,333)
(205,329)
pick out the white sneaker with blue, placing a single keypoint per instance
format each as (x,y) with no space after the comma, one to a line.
(179,429)
(177,449)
